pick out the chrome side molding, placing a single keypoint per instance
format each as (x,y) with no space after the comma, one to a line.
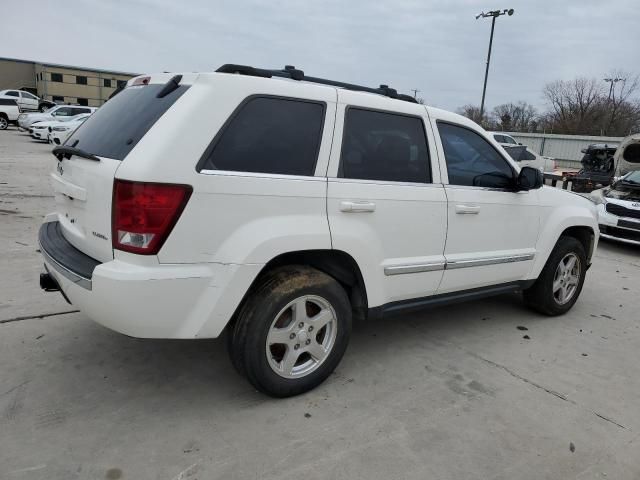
(450,265)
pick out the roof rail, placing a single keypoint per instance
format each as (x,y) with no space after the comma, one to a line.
(293,73)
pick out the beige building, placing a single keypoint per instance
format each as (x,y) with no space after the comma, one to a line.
(61,83)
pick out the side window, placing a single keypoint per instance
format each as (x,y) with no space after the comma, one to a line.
(471,160)
(527,155)
(510,140)
(12,94)
(270,135)
(500,138)
(64,112)
(384,146)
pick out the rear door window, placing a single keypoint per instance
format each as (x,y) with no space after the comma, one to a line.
(118,125)
(384,146)
(269,135)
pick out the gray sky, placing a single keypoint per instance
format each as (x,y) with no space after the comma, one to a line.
(435,46)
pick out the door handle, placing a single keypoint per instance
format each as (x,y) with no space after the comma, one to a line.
(357,207)
(467,209)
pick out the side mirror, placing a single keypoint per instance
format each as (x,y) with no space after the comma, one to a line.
(530,179)
(632,153)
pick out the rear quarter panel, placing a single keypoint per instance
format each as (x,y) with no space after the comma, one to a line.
(233,217)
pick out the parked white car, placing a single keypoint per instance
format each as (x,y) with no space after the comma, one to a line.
(277,209)
(9,112)
(25,120)
(504,139)
(527,157)
(619,209)
(60,131)
(26,101)
(41,130)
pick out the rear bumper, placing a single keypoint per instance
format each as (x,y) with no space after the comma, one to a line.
(146,301)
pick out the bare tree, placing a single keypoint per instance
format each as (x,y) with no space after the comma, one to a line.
(575,105)
(473,112)
(515,117)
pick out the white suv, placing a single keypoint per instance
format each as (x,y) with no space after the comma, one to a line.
(276,209)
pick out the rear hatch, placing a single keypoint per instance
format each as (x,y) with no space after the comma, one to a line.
(83,187)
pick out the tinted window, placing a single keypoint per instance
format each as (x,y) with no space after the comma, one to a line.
(471,160)
(107,82)
(500,138)
(12,94)
(527,155)
(64,112)
(56,77)
(122,83)
(81,80)
(28,95)
(270,135)
(116,127)
(384,146)
(510,140)
(8,101)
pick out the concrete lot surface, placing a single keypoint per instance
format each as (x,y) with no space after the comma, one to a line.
(451,393)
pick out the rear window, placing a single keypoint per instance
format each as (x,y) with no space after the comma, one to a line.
(116,127)
(6,101)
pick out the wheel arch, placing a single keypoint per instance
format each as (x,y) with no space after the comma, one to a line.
(337,264)
(584,234)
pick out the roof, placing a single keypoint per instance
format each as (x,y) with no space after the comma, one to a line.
(74,67)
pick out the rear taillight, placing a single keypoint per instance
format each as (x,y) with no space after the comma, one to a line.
(144,214)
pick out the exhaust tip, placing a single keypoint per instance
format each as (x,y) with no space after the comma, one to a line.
(48,283)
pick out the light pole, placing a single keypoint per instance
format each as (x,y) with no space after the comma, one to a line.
(613,81)
(493,14)
(612,94)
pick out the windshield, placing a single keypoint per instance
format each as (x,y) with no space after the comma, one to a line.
(632,177)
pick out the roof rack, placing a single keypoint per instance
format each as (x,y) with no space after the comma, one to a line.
(293,73)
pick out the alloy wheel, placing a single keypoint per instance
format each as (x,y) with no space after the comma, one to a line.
(301,336)
(566,278)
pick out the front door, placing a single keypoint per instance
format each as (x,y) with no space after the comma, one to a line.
(385,203)
(493,230)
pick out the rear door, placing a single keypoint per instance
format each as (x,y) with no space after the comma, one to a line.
(385,203)
(83,188)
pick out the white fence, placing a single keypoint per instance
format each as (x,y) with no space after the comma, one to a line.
(565,148)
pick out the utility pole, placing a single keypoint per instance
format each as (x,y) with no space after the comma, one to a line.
(493,14)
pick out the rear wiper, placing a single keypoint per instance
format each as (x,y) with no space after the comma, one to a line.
(65,151)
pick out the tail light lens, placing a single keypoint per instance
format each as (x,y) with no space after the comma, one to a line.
(144,214)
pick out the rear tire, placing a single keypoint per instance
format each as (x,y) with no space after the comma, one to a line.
(292,331)
(559,285)
(4,123)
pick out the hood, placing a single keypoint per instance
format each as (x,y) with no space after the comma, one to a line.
(623,192)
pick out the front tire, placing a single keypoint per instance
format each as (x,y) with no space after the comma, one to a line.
(557,288)
(4,123)
(292,331)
